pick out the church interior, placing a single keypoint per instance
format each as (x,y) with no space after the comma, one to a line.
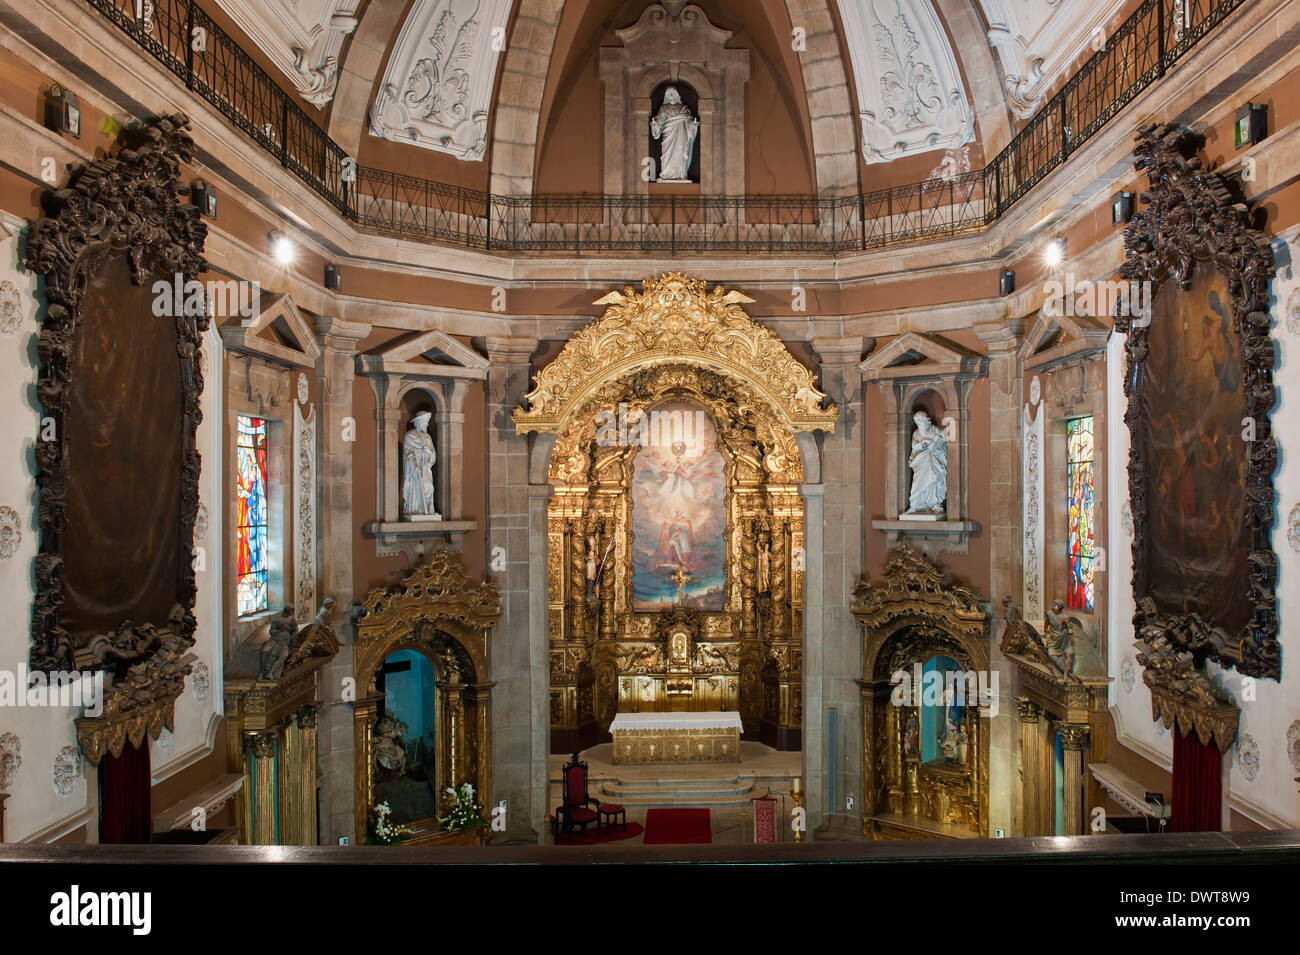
(473,426)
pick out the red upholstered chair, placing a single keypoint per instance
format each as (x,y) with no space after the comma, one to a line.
(577,808)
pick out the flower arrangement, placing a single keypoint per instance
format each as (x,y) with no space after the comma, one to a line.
(381,831)
(465,813)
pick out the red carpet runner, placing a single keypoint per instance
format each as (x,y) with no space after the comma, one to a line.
(677,827)
(592,838)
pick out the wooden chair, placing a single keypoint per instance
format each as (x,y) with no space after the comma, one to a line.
(577,807)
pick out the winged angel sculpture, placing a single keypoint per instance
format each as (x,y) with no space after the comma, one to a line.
(1064,645)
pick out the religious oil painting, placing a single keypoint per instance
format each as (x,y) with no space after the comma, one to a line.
(1196,543)
(679,513)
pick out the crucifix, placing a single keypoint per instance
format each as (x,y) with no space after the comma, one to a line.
(680,577)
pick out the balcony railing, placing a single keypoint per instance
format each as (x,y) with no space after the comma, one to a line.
(1142,49)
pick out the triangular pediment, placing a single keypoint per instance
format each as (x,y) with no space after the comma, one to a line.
(426,354)
(914,355)
(278,332)
(1056,337)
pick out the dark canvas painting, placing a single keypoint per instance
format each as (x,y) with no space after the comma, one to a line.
(1195,540)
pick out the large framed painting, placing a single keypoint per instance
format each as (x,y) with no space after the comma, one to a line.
(679,513)
(1199,383)
(118,469)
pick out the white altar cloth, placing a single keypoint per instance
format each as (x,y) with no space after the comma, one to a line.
(676,721)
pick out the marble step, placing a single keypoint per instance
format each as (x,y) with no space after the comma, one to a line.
(694,793)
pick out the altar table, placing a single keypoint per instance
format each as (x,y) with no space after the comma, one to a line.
(676,737)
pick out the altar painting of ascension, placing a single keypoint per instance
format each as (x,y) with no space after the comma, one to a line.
(679,514)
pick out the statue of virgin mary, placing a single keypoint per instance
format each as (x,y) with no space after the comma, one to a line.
(677,129)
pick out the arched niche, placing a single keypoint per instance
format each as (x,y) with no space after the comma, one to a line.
(908,620)
(440,614)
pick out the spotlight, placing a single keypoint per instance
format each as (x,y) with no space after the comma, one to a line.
(282,249)
(1251,126)
(62,112)
(205,197)
(1055,251)
(333,280)
(1121,208)
(1006,282)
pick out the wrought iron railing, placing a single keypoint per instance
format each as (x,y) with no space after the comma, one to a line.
(1146,44)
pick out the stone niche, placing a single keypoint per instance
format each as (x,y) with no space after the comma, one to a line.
(674,42)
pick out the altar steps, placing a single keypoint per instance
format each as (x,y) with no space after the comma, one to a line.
(694,793)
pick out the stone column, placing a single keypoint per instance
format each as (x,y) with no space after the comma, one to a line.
(1005,530)
(1074,743)
(838,549)
(336,372)
(520,722)
(265,805)
(451,450)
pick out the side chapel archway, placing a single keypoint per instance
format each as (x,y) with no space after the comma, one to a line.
(675,347)
(910,618)
(439,613)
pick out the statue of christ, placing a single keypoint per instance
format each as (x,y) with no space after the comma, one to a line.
(677,129)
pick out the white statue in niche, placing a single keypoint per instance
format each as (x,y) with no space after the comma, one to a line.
(929,464)
(677,129)
(418,457)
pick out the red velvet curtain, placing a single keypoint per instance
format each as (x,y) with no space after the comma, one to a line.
(1198,787)
(125,814)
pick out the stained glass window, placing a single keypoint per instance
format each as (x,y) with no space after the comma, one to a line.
(1079,493)
(250,522)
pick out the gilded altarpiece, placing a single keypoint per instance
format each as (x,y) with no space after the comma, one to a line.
(675,531)
(909,618)
(439,613)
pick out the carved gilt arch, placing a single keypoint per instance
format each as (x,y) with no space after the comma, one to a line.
(908,617)
(437,612)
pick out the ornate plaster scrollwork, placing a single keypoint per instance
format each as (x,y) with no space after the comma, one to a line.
(66,771)
(11,308)
(11,759)
(437,90)
(11,532)
(910,93)
(1248,757)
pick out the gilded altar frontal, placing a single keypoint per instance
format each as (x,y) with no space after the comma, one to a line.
(517,433)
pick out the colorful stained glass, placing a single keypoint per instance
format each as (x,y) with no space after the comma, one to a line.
(251,521)
(1079,525)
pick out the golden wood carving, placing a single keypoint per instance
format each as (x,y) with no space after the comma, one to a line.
(906,618)
(675,342)
(674,319)
(438,612)
(1182,696)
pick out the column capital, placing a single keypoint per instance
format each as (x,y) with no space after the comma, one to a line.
(842,351)
(506,350)
(1074,736)
(1029,710)
(1001,337)
(264,744)
(338,334)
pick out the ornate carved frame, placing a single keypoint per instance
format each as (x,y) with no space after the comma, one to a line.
(675,342)
(127,205)
(913,595)
(1191,215)
(440,613)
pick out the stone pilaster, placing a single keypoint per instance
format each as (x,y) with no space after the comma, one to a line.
(520,722)
(337,434)
(834,539)
(1005,530)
